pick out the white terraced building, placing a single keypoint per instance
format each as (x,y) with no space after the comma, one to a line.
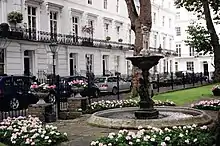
(188,59)
(69,23)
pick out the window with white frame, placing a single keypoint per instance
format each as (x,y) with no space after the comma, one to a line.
(91,24)
(178,31)
(178,50)
(191,51)
(163,21)
(117,63)
(106,29)
(89,62)
(190,66)
(118,31)
(32,16)
(105,4)
(154,18)
(170,22)
(117,6)
(53,22)
(75,21)
(171,65)
(164,65)
(129,36)
(177,15)
(73,63)
(164,42)
(155,41)
(90,2)
(176,66)
(170,44)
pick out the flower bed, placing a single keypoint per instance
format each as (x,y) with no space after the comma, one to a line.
(207,105)
(178,136)
(106,104)
(29,131)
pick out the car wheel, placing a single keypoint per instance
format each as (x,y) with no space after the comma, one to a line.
(14,103)
(51,98)
(114,90)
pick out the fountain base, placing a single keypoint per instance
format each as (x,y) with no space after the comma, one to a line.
(146,114)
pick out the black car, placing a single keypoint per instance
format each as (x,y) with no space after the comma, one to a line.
(65,88)
(15,93)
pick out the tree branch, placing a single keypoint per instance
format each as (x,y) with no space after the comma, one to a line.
(132,12)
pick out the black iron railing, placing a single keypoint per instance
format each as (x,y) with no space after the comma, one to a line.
(72,39)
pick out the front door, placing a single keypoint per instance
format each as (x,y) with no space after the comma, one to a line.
(206,69)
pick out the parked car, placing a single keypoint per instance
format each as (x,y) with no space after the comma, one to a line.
(66,89)
(15,93)
(109,84)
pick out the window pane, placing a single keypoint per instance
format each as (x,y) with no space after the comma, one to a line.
(29,10)
(33,11)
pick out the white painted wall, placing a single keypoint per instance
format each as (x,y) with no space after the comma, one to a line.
(66,10)
(183,22)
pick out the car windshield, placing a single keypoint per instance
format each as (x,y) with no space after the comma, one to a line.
(100,80)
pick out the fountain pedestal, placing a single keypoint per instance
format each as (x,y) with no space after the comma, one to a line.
(145,63)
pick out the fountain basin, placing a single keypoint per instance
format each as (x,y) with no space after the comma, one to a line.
(123,118)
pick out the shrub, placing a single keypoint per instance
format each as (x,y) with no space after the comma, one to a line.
(15,17)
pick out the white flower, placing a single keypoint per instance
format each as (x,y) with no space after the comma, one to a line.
(109,144)
(187,141)
(93,143)
(163,144)
(49,141)
(152,139)
(138,140)
(167,138)
(65,134)
(140,127)
(195,140)
(181,135)
(130,143)
(203,127)
(46,137)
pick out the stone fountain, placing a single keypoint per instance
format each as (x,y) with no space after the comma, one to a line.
(147,115)
(145,63)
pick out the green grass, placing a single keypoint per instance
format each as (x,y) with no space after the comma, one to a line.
(186,96)
(1,144)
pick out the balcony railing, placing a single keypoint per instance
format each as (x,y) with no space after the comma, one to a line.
(71,39)
(64,39)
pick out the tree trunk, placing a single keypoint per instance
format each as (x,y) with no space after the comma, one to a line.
(137,22)
(137,49)
(214,40)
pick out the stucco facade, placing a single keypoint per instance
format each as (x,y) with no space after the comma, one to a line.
(71,17)
(197,62)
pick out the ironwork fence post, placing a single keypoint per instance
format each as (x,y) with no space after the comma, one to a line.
(193,78)
(118,95)
(89,86)
(208,77)
(183,79)
(58,95)
(172,81)
(158,83)
(201,78)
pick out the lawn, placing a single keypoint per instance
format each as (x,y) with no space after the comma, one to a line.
(1,144)
(187,96)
